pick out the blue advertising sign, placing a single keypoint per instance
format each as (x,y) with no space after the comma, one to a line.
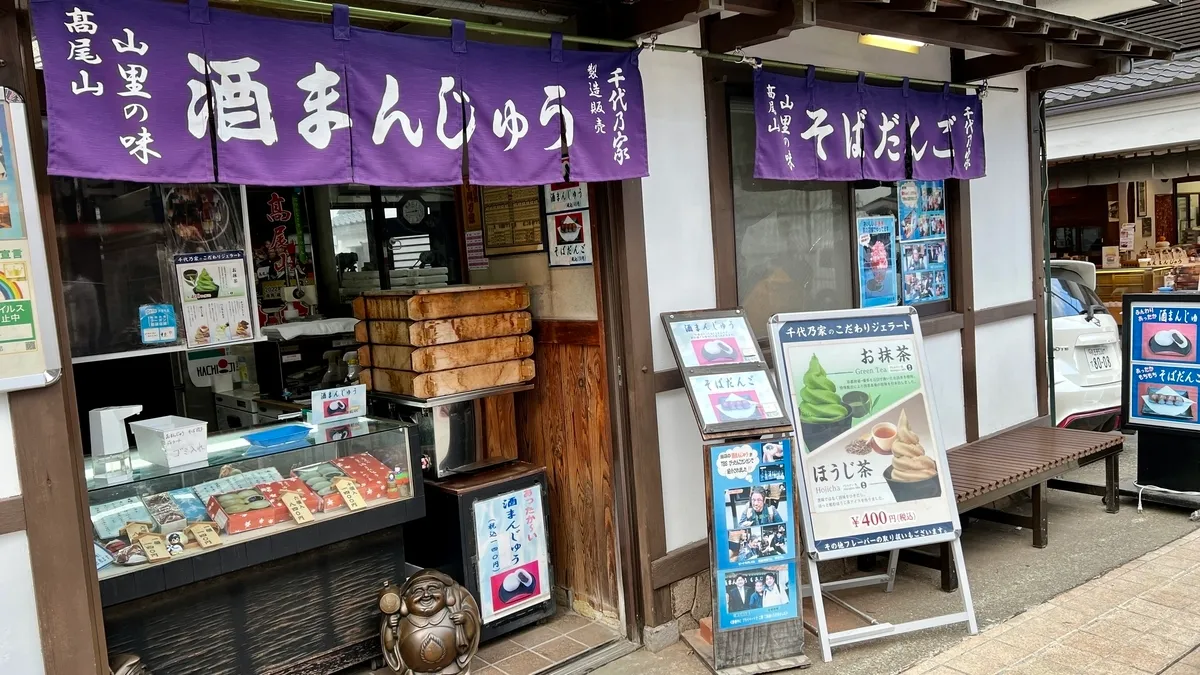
(754,533)
(877,262)
(157,324)
(1164,376)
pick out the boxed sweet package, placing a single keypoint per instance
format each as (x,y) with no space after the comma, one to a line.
(167,515)
(109,518)
(319,479)
(274,493)
(190,504)
(234,482)
(242,511)
(370,474)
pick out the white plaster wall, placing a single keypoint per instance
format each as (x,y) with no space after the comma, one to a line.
(20,646)
(943,353)
(1005,372)
(684,508)
(678,222)
(679,259)
(9,485)
(1142,125)
(1000,227)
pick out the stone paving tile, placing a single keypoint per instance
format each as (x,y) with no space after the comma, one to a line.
(1143,617)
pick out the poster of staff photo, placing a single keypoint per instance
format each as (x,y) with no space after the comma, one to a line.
(870,462)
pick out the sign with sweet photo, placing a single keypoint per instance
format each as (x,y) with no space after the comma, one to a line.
(735,399)
(872,467)
(514,558)
(706,339)
(1163,385)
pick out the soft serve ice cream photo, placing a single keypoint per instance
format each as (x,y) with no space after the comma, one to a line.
(872,465)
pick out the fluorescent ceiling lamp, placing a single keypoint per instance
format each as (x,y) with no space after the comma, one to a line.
(897,44)
(482,8)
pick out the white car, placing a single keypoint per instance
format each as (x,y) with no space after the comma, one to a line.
(1087,350)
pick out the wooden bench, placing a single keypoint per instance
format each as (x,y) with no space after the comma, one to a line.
(1028,457)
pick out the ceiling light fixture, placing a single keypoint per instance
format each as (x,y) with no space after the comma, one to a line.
(484,9)
(887,42)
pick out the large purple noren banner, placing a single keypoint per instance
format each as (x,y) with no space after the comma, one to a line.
(149,91)
(809,129)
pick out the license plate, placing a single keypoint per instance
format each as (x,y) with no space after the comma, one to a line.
(1100,358)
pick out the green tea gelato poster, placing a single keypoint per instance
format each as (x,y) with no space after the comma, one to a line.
(872,465)
(215,298)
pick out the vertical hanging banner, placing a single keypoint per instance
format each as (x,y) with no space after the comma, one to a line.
(809,129)
(144,90)
(408,110)
(279,94)
(527,125)
(118,98)
(604,103)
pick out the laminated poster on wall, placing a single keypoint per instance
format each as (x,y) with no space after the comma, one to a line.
(704,341)
(872,469)
(753,532)
(216,304)
(1164,383)
(26,357)
(924,249)
(510,540)
(877,261)
(570,235)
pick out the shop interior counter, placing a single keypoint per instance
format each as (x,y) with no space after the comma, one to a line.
(239,493)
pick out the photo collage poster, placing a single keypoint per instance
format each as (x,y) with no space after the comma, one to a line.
(924,250)
(754,533)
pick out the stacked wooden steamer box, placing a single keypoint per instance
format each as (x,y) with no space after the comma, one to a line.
(427,343)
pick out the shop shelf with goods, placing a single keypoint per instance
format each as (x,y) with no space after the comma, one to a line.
(290,518)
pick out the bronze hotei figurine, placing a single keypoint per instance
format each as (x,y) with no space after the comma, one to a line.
(128,664)
(430,625)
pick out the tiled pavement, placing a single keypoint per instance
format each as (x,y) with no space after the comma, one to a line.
(541,647)
(1143,617)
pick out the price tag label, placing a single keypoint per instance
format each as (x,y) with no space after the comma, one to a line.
(296,507)
(135,530)
(155,547)
(205,535)
(349,493)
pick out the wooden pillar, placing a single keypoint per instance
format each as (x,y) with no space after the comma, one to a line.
(46,428)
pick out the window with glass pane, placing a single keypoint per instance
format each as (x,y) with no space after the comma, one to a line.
(918,209)
(792,238)
(117,242)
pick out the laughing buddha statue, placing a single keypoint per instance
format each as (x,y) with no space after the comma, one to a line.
(430,625)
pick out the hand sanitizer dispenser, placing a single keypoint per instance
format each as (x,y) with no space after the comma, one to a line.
(108,429)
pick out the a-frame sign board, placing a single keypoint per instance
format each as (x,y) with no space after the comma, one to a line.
(871,465)
(750,495)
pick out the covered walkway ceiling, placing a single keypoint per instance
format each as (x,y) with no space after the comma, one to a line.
(1011,36)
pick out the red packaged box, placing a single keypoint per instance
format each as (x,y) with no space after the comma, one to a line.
(274,491)
(369,473)
(319,480)
(241,511)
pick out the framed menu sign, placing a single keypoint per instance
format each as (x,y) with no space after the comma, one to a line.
(711,338)
(512,220)
(731,391)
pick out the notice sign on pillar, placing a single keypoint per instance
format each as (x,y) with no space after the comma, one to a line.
(568,224)
(28,347)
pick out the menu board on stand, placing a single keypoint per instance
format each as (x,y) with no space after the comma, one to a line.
(871,465)
(1160,392)
(757,625)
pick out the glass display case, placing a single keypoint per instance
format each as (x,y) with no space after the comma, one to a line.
(264,493)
